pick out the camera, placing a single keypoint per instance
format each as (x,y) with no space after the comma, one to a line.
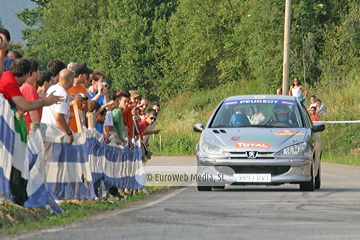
(105,84)
(2,42)
(83,96)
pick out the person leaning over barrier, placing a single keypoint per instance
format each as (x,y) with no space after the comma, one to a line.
(150,118)
(151,128)
(30,94)
(78,93)
(9,87)
(57,115)
(43,83)
(119,127)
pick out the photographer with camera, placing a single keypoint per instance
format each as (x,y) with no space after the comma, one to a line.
(78,94)
(98,91)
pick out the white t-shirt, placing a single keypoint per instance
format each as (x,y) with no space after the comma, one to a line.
(109,119)
(296,92)
(258,118)
(312,105)
(49,112)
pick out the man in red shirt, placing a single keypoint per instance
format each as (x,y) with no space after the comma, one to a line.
(30,94)
(9,87)
(150,118)
(128,115)
(313,115)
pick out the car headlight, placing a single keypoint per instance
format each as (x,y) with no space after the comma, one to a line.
(212,149)
(293,150)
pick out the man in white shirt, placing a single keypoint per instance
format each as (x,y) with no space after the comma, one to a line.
(57,115)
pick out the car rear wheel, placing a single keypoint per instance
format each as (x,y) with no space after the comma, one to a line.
(203,188)
(309,186)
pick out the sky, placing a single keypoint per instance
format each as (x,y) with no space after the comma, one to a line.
(9,20)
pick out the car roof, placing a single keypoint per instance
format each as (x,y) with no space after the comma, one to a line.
(261,96)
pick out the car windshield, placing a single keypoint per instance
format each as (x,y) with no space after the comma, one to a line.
(264,113)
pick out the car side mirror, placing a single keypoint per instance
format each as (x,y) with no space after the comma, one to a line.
(199,127)
(318,127)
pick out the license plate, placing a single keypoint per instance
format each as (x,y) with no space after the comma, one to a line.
(252,177)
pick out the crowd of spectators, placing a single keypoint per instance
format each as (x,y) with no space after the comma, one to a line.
(64,96)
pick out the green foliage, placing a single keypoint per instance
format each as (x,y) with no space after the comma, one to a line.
(342,49)
(162,48)
(132,44)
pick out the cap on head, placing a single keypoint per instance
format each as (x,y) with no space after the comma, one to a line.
(81,68)
(134,94)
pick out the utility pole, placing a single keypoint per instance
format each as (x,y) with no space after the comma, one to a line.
(286,61)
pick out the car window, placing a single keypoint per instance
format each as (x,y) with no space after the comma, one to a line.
(258,113)
(307,117)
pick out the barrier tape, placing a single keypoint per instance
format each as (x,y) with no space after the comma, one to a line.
(355,121)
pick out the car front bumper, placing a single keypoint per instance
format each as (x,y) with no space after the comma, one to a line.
(282,170)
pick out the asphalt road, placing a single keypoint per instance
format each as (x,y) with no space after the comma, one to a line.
(251,212)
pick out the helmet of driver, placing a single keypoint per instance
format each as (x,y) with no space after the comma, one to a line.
(281,112)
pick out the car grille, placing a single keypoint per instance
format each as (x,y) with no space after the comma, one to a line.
(273,170)
(243,155)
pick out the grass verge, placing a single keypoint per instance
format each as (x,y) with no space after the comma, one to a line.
(15,219)
(354,160)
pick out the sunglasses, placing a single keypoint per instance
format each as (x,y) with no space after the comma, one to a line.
(152,118)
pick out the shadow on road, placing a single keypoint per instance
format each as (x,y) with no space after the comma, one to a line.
(282,189)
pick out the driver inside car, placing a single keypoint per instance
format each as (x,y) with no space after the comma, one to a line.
(281,116)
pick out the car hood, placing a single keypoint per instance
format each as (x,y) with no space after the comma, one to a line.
(254,139)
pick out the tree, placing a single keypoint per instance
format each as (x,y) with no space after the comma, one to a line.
(66,30)
(133,43)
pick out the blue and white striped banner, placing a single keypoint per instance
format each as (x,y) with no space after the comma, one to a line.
(57,170)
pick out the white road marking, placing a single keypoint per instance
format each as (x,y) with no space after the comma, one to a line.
(105,215)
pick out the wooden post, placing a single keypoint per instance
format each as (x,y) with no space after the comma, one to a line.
(91,120)
(77,117)
(160,144)
(286,60)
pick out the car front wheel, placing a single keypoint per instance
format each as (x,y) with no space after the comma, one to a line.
(318,178)
(203,188)
(309,186)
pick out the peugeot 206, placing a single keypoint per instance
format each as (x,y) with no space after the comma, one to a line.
(259,140)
